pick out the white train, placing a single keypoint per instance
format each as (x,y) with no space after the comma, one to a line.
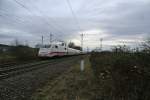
(57,49)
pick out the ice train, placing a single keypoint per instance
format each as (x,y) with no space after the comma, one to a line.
(57,49)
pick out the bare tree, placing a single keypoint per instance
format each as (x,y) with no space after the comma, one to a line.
(146,46)
(72,45)
(121,48)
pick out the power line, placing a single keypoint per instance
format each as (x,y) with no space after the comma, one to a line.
(16,19)
(74,15)
(23,6)
(46,19)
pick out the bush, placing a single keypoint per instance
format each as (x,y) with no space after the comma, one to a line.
(122,76)
(24,53)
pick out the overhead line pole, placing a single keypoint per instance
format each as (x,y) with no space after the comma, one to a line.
(42,40)
(101,45)
(82,42)
(51,35)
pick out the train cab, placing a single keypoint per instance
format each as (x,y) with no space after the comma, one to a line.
(52,50)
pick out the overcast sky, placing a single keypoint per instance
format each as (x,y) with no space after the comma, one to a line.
(112,20)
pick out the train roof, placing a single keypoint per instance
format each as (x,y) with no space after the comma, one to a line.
(74,49)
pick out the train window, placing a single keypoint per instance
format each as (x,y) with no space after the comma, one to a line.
(62,44)
(56,46)
(65,48)
(42,46)
(47,46)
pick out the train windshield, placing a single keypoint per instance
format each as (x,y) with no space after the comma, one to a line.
(46,46)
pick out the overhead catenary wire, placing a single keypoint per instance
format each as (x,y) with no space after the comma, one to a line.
(45,19)
(74,15)
(23,6)
(16,19)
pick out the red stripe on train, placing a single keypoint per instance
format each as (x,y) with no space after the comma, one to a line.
(57,53)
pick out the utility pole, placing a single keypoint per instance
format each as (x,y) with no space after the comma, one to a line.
(51,35)
(26,43)
(82,42)
(87,49)
(101,45)
(42,40)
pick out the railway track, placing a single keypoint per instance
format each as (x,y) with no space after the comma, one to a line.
(21,83)
(11,71)
(3,65)
(7,64)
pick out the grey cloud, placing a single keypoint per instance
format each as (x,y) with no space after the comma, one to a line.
(118,18)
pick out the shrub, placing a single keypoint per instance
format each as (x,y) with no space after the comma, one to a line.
(24,53)
(122,76)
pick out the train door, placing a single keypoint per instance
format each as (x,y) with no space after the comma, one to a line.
(64,49)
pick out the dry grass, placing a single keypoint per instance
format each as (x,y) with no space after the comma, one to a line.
(122,76)
(72,85)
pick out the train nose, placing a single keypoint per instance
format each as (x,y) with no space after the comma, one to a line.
(50,54)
